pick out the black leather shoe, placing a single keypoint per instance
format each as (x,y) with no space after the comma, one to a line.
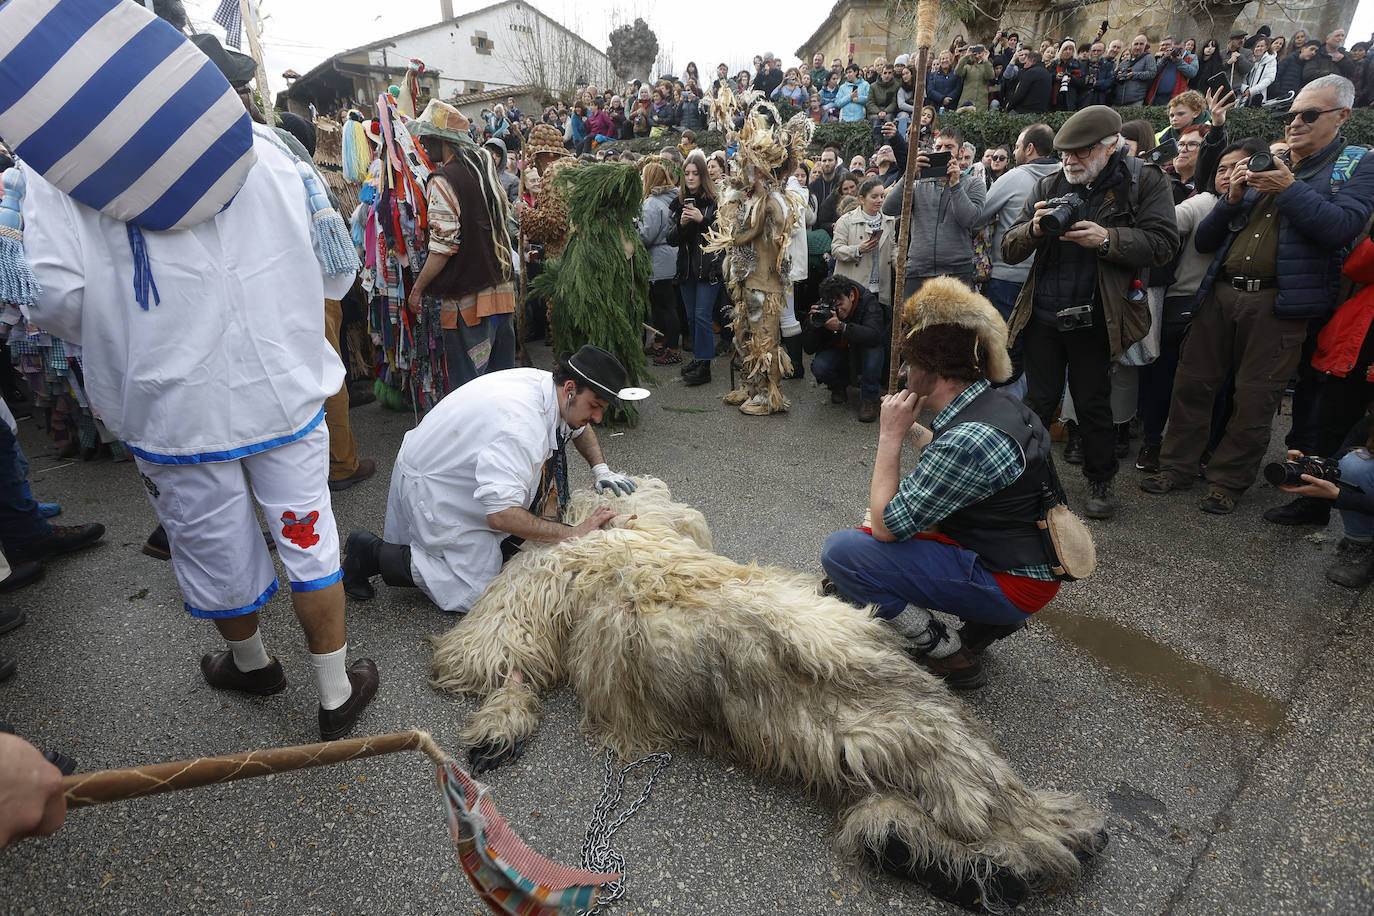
(360,563)
(697,373)
(11,618)
(62,539)
(335,723)
(21,574)
(222,674)
(1302,511)
(7,668)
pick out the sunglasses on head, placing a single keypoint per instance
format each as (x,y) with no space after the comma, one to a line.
(1308,115)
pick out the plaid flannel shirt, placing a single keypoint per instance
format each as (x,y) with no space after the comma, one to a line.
(961,466)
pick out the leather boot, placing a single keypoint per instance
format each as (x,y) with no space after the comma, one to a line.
(362,561)
(394,563)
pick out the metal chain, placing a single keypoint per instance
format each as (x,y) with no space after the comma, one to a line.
(597,854)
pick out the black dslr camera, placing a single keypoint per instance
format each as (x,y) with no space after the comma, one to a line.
(1063,213)
(1289,473)
(821,312)
(1260,162)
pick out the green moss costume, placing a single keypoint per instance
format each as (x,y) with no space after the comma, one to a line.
(599,287)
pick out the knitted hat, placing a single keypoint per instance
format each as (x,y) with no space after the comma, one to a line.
(118,109)
(545,138)
(947,301)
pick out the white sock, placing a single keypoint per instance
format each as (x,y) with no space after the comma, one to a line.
(249,654)
(930,635)
(331,677)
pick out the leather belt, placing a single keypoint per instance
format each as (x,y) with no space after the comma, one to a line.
(1252,284)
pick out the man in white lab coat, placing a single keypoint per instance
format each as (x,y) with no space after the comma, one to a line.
(466,488)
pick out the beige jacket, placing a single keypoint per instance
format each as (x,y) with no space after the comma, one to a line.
(851,230)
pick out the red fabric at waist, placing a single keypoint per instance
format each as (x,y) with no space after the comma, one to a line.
(1025,593)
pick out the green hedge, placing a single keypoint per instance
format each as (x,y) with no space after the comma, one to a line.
(994,128)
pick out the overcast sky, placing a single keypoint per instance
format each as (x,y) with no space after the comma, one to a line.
(301,33)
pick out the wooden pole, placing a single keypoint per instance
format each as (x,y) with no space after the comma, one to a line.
(103,786)
(926,12)
(249,13)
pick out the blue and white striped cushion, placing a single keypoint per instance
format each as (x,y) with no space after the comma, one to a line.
(118,109)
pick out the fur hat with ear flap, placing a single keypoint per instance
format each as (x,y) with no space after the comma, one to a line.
(944,304)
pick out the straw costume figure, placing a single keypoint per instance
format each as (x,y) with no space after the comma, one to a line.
(753,230)
(545,220)
(598,289)
(670,645)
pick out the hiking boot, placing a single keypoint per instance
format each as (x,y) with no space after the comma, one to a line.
(1147,459)
(1305,510)
(698,372)
(961,671)
(1163,482)
(1353,565)
(1100,503)
(1123,439)
(839,396)
(1217,502)
(868,411)
(977,636)
(1073,449)
(61,540)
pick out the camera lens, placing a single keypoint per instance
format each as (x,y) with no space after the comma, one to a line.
(1279,474)
(1261,162)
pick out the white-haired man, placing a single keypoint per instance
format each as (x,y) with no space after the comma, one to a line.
(1092,227)
(1279,235)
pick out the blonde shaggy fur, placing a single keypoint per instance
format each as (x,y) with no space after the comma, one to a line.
(945,300)
(670,645)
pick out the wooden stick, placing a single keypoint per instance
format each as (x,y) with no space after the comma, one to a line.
(249,14)
(925,19)
(102,786)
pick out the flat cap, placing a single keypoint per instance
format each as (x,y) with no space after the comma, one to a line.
(1238,33)
(1086,127)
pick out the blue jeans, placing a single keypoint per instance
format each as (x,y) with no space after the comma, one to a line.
(928,574)
(1357,467)
(831,368)
(488,346)
(700,300)
(20,522)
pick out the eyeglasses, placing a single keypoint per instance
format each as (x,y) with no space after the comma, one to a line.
(999,158)
(1190,145)
(1308,115)
(1081,153)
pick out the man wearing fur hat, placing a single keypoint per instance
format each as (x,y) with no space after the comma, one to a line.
(958,534)
(468,264)
(1093,227)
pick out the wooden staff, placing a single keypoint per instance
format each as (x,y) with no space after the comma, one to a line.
(102,786)
(926,12)
(249,13)
(524,246)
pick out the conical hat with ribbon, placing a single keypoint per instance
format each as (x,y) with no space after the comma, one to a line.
(118,109)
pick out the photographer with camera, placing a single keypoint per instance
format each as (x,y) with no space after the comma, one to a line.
(1135,74)
(848,326)
(1067,79)
(1173,68)
(1336,481)
(1099,76)
(1093,228)
(944,211)
(1278,238)
(976,73)
(881,106)
(1034,87)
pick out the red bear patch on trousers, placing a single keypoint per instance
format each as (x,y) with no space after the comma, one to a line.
(300,532)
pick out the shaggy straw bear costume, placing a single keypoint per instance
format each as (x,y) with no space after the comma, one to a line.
(670,645)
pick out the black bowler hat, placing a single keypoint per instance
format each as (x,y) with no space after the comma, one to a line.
(603,373)
(237,68)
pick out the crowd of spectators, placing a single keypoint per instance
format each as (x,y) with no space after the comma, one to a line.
(1153,251)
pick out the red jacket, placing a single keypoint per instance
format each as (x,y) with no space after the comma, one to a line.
(1338,345)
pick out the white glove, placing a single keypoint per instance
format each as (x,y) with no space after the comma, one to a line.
(606,479)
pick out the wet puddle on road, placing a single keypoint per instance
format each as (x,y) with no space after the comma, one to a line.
(1137,656)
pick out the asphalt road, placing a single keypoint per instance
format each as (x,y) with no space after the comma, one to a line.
(1207,687)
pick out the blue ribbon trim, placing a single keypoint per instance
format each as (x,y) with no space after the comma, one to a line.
(236,611)
(232,454)
(315,585)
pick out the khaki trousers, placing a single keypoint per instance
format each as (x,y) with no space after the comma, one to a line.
(1233,331)
(343,458)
